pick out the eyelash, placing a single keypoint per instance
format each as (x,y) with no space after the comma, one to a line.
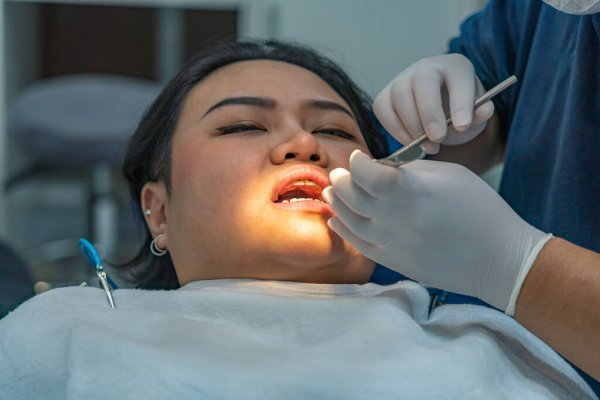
(239,128)
(338,132)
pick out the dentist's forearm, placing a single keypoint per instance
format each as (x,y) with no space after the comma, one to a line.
(560,303)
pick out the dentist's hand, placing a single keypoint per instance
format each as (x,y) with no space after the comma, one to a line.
(437,223)
(417,101)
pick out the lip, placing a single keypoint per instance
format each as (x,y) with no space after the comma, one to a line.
(307,172)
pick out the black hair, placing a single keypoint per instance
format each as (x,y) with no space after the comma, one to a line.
(148,155)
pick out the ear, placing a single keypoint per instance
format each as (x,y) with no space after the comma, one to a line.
(155,199)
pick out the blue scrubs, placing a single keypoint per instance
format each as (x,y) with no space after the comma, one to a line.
(550,119)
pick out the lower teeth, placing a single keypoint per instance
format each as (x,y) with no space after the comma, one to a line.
(296,199)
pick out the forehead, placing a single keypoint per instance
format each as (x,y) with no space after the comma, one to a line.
(265,78)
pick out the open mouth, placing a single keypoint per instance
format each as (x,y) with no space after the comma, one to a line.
(300,190)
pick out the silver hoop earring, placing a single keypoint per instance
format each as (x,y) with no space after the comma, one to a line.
(154,249)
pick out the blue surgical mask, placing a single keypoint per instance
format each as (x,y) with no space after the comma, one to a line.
(575,7)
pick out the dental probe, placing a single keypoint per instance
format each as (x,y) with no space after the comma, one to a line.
(412,151)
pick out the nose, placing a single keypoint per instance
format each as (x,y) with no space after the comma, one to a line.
(302,146)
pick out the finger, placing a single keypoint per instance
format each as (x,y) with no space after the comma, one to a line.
(365,228)
(431,148)
(460,83)
(360,226)
(351,194)
(483,113)
(380,254)
(374,178)
(405,107)
(428,97)
(359,244)
(386,114)
(342,211)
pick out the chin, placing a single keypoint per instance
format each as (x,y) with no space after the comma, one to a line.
(321,259)
(299,246)
(311,237)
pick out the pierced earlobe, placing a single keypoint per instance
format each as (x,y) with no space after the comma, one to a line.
(154,249)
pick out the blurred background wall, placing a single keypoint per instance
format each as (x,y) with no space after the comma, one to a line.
(149,39)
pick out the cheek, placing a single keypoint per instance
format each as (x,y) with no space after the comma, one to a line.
(208,180)
(194,180)
(191,169)
(339,154)
(202,164)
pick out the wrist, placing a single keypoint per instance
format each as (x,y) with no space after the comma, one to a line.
(512,255)
(524,271)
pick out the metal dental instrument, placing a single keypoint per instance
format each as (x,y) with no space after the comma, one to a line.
(413,151)
(105,282)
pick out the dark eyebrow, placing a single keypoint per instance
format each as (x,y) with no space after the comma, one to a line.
(262,102)
(327,105)
(265,102)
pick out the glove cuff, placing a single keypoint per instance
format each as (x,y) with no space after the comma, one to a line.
(512,301)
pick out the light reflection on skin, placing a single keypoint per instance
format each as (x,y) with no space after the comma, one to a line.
(219,220)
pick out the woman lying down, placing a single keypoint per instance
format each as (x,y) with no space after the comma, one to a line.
(258,298)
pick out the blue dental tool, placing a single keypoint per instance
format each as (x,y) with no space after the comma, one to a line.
(105,282)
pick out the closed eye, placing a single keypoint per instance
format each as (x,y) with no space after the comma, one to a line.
(237,128)
(337,132)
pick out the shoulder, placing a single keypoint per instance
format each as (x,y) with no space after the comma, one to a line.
(34,338)
(56,310)
(499,24)
(75,296)
(47,311)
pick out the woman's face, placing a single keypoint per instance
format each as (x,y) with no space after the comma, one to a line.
(250,156)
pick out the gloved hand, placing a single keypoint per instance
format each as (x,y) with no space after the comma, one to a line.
(436,223)
(418,99)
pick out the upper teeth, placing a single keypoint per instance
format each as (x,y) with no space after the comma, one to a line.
(304,182)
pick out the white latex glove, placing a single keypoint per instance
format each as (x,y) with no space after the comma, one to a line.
(418,99)
(436,223)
